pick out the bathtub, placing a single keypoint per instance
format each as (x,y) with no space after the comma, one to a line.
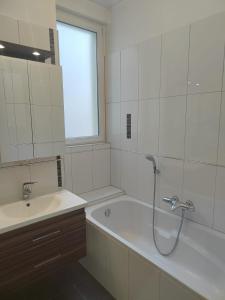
(199,260)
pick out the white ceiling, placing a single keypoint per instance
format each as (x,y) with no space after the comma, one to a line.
(106,3)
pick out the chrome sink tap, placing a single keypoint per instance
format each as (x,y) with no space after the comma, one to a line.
(27,189)
(175,203)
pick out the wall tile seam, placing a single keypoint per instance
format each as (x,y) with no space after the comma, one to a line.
(159,155)
(167,97)
(218,145)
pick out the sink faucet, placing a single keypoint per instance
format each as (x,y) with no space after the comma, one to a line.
(175,203)
(27,189)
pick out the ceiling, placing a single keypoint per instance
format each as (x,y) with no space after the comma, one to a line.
(106,3)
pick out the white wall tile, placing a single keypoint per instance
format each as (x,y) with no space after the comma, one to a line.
(148,126)
(23,123)
(115,168)
(114,77)
(11,182)
(58,131)
(19,77)
(149,68)
(129,74)
(172,126)
(113,124)
(221,151)
(41,115)
(58,148)
(9,119)
(25,151)
(43,150)
(56,85)
(145,179)
(11,34)
(101,168)
(224,76)
(206,55)
(129,173)
(219,210)
(45,174)
(40,89)
(170,179)
(174,67)
(2,91)
(82,166)
(203,112)
(199,187)
(130,107)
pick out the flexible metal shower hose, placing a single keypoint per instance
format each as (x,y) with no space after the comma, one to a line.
(153,224)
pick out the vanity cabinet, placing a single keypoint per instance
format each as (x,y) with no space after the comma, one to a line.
(31,110)
(32,252)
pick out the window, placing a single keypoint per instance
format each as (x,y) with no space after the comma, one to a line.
(80,60)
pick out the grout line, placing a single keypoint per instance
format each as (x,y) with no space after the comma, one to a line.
(186,112)
(218,143)
(174,158)
(160,86)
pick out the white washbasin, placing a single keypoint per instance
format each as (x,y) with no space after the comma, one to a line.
(21,213)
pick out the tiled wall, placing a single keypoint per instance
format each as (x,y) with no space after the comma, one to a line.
(173,85)
(12,179)
(87,167)
(84,168)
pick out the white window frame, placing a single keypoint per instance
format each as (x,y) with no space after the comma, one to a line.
(68,18)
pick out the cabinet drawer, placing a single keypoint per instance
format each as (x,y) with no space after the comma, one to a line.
(39,247)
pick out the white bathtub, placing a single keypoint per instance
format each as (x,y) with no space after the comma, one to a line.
(199,260)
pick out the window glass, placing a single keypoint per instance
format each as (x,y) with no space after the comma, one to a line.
(78,58)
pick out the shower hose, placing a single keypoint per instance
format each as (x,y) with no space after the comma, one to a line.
(153,224)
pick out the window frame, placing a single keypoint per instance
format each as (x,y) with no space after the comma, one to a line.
(70,19)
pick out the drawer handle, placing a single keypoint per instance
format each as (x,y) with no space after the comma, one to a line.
(47,261)
(43,237)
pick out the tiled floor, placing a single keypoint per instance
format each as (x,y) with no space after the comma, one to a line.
(73,284)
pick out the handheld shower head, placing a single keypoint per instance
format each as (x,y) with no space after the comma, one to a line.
(152,159)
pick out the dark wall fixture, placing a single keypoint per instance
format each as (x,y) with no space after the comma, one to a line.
(52,45)
(59,170)
(128,126)
(24,52)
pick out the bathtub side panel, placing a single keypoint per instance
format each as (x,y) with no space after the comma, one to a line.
(170,289)
(107,261)
(143,278)
(95,261)
(117,269)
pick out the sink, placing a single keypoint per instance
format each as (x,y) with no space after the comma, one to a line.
(21,213)
(25,209)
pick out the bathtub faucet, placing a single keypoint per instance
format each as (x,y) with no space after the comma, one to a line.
(175,203)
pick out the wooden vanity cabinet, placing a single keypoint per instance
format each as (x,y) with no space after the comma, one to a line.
(31,252)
